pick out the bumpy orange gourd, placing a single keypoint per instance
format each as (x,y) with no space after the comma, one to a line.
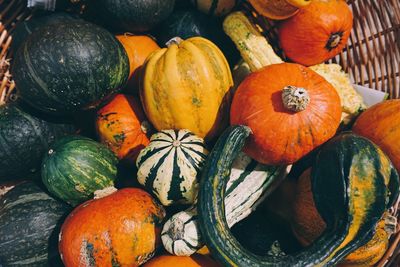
(122,229)
(187,86)
(279,134)
(123,127)
(381,124)
(138,48)
(317,32)
(307,225)
(195,260)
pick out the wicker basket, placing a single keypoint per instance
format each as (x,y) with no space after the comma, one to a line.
(371,57)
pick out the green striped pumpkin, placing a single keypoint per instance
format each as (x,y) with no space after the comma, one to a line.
(215,7)
(75,167)
(169,166)
(249,183)
(29,227)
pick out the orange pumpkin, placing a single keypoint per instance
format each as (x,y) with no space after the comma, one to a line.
(138,48)
(122,126)
(122,229)
(290,109)
(317,32)
(195,260)
(381,124)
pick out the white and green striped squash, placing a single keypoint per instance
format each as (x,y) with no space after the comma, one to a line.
(215,7)
(170,165)
(249,183)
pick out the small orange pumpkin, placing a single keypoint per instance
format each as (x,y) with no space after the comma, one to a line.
(195,260)
(138,48)
(381,124)
(317,32)
(121,229)
(122,126)
(289,108)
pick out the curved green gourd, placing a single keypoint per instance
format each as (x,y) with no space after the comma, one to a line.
(350,209)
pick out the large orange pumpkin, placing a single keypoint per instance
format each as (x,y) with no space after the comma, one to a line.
(138,48)
(122,229)
(290,109)
(122,126)
(381,124)
(195,260)
(317,32)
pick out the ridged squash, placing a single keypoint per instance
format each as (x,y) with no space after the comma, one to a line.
(187,86)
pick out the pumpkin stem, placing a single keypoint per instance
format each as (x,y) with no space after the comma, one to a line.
(295,98)
(175,40)
(334,40)
(104,192)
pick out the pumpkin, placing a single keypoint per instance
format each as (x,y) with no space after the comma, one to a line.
(169,166)
(350,202)
(138,48)
(53,75)
(135,15)
(121,229)
(193,261)
(307,226)
(122,127)
(75,167)
(249,184)
(187,86)
(24,139)
(274,9)
(318,32)
(299,3)
(290,109)
(30,221)
(215,7)
(380,123)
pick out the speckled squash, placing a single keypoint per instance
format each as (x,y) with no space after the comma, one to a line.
(30,221)
(121,229)
(187,86)
(122,126)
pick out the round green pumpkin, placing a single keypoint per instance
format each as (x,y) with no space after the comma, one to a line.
(75,167)
(23,141)
(69,67)
(135,15)
(30,221)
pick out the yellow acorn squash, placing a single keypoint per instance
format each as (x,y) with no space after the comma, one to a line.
(187,86)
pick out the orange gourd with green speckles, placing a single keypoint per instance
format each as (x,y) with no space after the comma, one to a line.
(121,229)
(122,126)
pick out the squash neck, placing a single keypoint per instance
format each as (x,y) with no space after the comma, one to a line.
(294,98)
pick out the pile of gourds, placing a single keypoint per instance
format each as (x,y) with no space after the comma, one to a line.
(121,153)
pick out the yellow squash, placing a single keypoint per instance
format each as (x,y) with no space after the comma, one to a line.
(187,86)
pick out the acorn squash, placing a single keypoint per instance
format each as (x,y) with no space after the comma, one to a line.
(353,183)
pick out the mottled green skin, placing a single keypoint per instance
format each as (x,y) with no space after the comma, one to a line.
(70,67)
(331,190)
(23,141)
(75,167)
(29,225)
(135,15)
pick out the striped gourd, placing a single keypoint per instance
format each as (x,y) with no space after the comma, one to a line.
(249,183)
(29,226)
(169,166)
(75,167)
(215,7)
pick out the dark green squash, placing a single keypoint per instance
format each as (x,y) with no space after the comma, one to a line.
(134,15)
(29,225)
(75,167)
(25,28)
(186,23)
(353,183)
(70,67)
(23,141)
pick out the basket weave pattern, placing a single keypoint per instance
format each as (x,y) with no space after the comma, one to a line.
(371,57)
